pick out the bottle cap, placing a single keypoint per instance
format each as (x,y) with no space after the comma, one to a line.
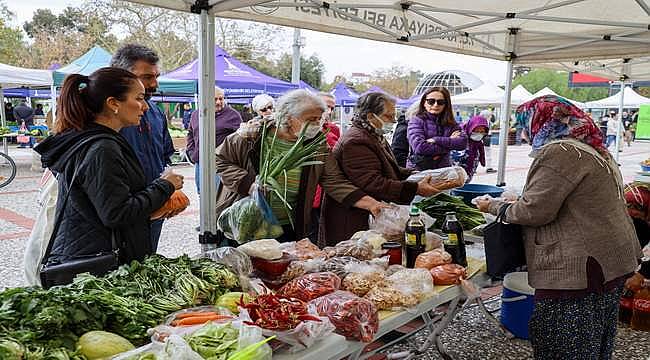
(450,213)
(414,211)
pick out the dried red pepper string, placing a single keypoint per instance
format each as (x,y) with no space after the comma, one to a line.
(274,312)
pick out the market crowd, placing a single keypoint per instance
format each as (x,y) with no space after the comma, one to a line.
(111,151)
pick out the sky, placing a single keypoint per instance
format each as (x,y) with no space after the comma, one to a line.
(342,55)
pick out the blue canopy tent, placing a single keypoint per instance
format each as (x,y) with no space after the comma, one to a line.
(375,88)
(237,79)
(311,89)
(97,58)
(344,95)
(27,93)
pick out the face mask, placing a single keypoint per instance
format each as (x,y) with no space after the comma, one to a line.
(384,126)
(312,130)
(476,136)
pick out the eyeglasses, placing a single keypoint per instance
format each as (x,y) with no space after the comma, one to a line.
(440,102)
(268,108)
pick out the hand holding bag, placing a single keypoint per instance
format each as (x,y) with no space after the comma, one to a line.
(504,246)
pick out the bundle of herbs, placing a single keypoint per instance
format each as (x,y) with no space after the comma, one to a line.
(438,205)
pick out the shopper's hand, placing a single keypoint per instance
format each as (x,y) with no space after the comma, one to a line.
(431,141)
(173,178)
(483,205)
(455,134)
(635,283)
(371,205)
(426,188)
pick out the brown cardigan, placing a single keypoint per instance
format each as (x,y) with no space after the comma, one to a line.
(370,165)
(573,208)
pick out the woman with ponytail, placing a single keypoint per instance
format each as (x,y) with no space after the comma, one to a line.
(109,198)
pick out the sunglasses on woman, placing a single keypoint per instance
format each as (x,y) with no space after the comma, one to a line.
(440,102)
(268,108)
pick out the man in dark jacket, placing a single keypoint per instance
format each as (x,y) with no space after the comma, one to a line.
(400,145)
(24,112)
(150,140)
(226,120)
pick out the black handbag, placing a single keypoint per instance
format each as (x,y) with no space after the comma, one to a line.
(504,246)
(64,273)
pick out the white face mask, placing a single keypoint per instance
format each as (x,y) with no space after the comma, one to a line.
(476,136)
(385,127)
(312,130)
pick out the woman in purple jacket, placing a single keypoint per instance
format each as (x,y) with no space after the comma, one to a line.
(433,132)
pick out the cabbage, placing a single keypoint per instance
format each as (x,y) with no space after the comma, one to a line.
(230,300)
(96,345)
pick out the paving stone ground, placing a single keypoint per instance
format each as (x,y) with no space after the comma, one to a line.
(471,336)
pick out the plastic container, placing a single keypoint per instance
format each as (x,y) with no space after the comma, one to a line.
(470,191)
(272,268)
(645,168)
(517,303)
(394,252)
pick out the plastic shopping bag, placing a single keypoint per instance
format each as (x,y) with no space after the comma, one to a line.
(443,178)
(42,230)
(250,218)
(391,221)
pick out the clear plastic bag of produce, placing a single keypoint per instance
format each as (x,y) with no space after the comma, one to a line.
(311,286)
(337,265)
(235,259)
(354,317)
(415,281)
(250,218)
(362,277)
(430,259)
(173,347)
(301,267)
(359,249)
(267,249)
(448,274)
(443,178)
(372,237)
(391,222)
(302,249)
(402,290)
(301,337)
(199,315)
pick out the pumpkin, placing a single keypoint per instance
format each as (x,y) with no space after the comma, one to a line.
(176,203)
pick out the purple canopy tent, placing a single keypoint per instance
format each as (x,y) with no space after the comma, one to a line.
(304,85)
(237,79)
(344,95)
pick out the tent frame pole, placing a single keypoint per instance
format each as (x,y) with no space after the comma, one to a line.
(208,233)
(3,120)
(621,105)
(504,128)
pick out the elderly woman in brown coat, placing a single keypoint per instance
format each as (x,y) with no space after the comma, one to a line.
(365,157)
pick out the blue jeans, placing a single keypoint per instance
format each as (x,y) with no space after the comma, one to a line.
(611,139)
(156,228)
(197,178)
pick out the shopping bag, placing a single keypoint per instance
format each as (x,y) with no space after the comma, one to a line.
(504,246)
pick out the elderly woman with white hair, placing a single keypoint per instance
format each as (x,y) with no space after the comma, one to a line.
(237,161)
(263,105)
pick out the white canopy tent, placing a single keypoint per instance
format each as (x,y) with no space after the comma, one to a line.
(13,76)
(520,95)
(631,99)
(516,31)
(486,94)
(548,91)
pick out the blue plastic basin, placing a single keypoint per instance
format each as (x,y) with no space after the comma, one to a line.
(470,191)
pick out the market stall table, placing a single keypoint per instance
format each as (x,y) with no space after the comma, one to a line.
(336,347)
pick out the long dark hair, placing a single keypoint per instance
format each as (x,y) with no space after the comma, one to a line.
(83,97)
(446,118)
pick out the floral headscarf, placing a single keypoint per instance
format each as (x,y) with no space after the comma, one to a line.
(538,114)
(637,198)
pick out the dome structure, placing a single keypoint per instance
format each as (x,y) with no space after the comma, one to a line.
(456,81)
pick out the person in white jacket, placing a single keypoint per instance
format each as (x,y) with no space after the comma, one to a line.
(613,128)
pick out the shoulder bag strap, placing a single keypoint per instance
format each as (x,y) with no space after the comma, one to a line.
(502,212)
(59,217)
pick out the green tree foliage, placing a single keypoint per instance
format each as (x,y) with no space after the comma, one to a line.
(311,69)
(557,81)
(11,39)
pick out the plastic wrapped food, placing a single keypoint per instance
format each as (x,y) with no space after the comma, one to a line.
(443,178)
(413,281)
(448,274)
(311,286)
(337,265)
(175,205)
(387,297)
(268,249)
(391,222)
(250,218)
(433,241)
(232,257)
(354,317)
(300,267)
(430,259)
(372,237)
(361,250)
(362,277)
(302,250)
(393,269)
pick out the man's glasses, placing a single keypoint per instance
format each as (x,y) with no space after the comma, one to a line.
(268,108)
(440,102)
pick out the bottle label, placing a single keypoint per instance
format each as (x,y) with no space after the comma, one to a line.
(452,239)
(411,239)
(642,305)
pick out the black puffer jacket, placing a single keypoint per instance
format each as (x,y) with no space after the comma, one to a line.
(109,194)
(400,145)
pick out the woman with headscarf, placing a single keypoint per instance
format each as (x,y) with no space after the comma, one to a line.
(637,197)
(579,240)
(433,132)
